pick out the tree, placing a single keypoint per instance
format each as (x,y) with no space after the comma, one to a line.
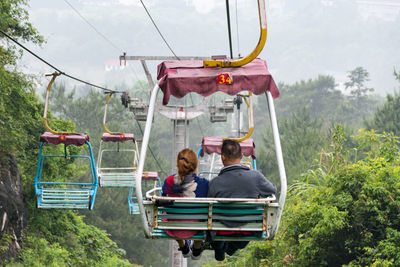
(302,138)
(357,79)
(387,118)
(51,237)
(396,75)
(18,104)
(349,220)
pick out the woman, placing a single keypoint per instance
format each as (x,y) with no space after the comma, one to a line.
(186,184)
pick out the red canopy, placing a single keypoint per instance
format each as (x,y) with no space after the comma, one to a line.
(68,139)
(106,137)
(179,78)
(213,145)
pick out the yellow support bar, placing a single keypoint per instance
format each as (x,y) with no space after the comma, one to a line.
(105,116)
(46,125)
(250,116)
(261,42)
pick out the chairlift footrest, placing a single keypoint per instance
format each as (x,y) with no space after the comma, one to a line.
(64,198)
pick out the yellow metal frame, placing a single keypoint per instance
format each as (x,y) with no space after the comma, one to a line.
(105,116)
(250,115)
(261,42)
(46,125)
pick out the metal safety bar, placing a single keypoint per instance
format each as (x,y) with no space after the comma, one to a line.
(247,59)
(250,117)
(105,116)
(46,104)
(279,158)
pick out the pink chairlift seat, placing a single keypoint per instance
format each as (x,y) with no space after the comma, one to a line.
(67,139)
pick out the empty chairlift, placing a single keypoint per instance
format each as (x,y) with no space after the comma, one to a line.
(64,192)
(150,179)
(210,159)
(116,166)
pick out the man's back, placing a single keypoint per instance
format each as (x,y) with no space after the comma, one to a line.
(238,181)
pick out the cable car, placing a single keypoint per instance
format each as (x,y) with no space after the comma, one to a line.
(61,192)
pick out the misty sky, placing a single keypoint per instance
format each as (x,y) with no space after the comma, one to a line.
(305,38)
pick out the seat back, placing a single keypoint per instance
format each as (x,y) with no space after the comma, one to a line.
(113,175)
(256,216)
(64,192)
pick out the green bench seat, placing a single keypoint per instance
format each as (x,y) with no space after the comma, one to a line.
(164,213)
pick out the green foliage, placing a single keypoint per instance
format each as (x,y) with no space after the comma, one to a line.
(5,242)
(351,219)
(14,20)
(51,237)
(324,101)
(60,238)
(302,138)
(320,96)
(111,208)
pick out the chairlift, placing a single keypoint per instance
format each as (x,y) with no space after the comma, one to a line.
(212,146)
(63,194)
(179,78)
(111,174)
(150,179)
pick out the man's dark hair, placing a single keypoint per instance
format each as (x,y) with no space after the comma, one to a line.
(231,150)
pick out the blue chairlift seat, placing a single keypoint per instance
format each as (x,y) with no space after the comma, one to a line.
(147,177)
(65,195)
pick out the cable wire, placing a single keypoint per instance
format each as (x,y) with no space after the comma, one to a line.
(155,25)
(93,27)
(103,36)
(197,119)
(57,69)
(151,151)
(132,67)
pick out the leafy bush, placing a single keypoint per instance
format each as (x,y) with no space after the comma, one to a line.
(349,218)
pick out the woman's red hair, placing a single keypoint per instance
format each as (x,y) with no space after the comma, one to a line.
(187,162)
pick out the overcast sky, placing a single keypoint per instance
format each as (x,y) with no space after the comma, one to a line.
(305,38)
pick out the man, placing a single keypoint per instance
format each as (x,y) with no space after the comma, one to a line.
(236,181)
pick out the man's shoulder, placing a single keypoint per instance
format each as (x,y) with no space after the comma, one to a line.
(215,180)
(258,174)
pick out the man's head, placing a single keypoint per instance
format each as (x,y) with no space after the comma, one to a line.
(231,153)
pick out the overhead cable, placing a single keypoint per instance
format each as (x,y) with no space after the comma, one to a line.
(158,30)
(57,69)
(133,68)
(237,28)
(104,37)
(197,119)
(93,27)
(228,17)
(151,151)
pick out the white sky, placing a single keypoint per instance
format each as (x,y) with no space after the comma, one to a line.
(306,38)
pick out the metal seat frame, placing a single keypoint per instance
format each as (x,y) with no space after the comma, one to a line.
(171,213)
(65,195)
(132,200)
(147,205)
(117,176)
